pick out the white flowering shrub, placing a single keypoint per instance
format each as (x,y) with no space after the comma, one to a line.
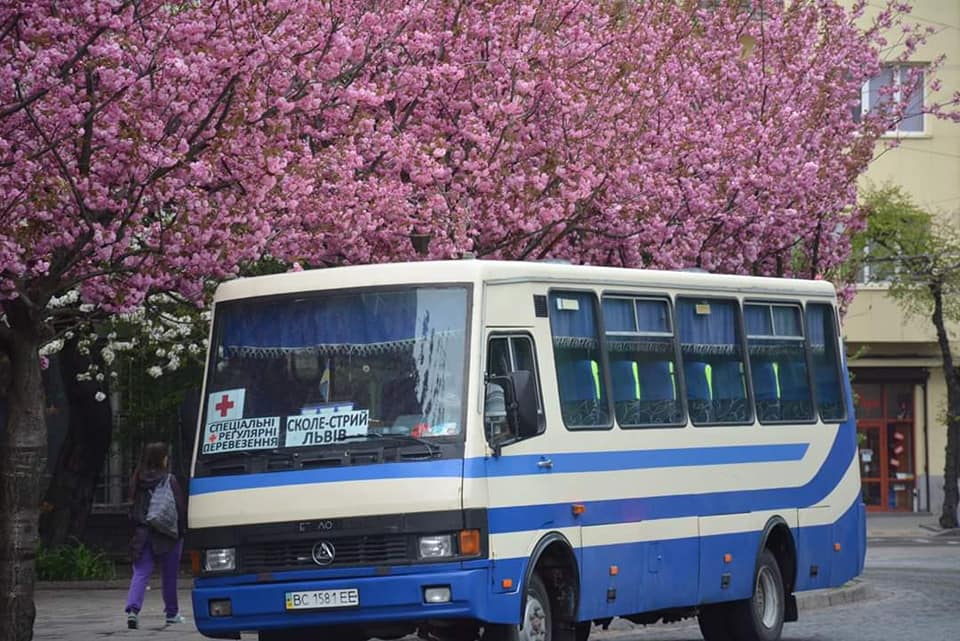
(162,335)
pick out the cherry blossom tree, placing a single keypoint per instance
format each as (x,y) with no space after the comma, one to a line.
(139,146)
(150,147)
(656,134)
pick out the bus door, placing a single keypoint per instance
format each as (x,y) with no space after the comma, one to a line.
(519,478)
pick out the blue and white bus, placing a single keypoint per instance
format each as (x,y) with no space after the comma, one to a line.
(517,451)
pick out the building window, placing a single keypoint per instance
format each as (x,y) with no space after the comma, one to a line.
(891,86)
(755,8)
(880,266)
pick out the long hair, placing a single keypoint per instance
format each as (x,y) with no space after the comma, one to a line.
(152,459)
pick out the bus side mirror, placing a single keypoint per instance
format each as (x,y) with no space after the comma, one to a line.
(510,407)
(495,422)
(525,399)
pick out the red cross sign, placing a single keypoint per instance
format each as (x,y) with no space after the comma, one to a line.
(224,406)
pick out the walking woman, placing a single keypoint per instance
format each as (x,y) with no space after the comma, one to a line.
(148,544)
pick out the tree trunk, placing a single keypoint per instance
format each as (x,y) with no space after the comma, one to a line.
(951,492)
(81,457)
(23,452)
(951,495)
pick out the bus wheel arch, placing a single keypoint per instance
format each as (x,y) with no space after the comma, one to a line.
(554,560)
(552,568)
(778,538)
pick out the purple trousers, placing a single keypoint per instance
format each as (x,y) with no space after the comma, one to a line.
(143,568)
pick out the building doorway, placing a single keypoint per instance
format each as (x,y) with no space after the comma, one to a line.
(885,426)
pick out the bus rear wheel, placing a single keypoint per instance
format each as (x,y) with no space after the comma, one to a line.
(759,618)
(714,620)
(537,623)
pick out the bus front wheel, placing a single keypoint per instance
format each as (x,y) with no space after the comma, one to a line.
(537,623)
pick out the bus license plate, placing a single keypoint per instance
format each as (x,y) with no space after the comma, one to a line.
(314,599)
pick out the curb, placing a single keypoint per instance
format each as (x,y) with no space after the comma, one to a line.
(184,583)
(936,530)
(851,592)
(109,584)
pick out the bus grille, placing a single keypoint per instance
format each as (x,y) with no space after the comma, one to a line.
(353,550)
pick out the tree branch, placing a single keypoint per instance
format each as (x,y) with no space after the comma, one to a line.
(64,72)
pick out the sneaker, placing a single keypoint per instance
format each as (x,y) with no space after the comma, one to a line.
(176,618)
(133,621)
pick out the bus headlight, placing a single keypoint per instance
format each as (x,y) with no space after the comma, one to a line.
(220,559)
(436,547)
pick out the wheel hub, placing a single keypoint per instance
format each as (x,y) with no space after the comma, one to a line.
(766,598)
(534,621)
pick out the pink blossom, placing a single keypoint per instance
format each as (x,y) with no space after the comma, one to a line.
(327,133)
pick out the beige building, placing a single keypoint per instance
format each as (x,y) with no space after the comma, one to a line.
(898,376)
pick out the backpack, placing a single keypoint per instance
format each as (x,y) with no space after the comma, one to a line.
(162,510)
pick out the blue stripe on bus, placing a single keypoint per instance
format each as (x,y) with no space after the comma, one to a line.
(512,466)
(579,462)
(382,471)
(658,574)
(558,515)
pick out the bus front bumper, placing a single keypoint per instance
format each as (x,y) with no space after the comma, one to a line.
(382,599)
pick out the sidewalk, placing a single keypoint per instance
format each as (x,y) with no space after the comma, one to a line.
(92,614)
(905,525)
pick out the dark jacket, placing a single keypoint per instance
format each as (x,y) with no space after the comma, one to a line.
(142,533)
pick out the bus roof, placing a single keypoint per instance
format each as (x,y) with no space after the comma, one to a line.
(497,271)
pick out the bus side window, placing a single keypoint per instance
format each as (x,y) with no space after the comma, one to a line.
(642,360)
(512,353)
(824,345)
(576,350)
(778,363)
(712,352)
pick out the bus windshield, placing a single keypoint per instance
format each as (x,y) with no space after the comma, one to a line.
(312,371)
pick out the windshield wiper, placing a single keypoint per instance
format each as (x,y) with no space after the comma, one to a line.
(226,462)
(226,456)
(432,450)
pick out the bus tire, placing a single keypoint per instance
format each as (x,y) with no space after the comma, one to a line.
(760,618)
(714,622)
(581,630)
(537,618)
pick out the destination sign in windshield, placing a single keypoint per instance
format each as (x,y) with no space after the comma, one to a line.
(325,428)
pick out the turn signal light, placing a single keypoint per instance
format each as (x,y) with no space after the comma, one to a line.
(578,509)
(469,542)
(195,562)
